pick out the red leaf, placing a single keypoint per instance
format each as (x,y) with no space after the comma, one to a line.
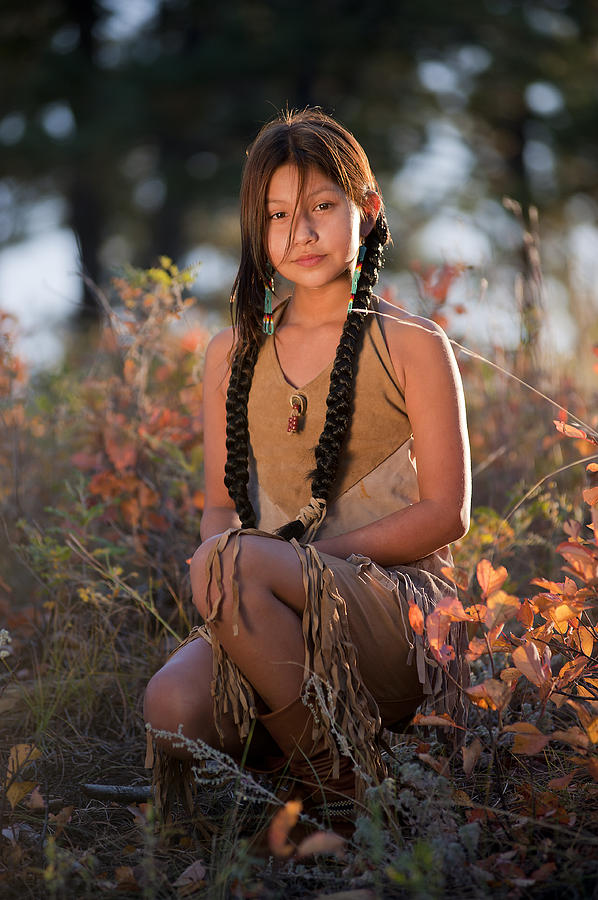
(569,430)
(416,618)
(489,578)
(280,826)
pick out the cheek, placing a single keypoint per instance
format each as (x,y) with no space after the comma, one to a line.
(276,243)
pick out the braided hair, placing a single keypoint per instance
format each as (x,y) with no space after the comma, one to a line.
(306,139)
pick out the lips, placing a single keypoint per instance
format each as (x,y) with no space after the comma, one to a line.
(309,260)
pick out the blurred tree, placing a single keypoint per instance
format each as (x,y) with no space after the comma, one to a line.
(138,114)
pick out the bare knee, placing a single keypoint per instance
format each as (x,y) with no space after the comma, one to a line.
(171,704)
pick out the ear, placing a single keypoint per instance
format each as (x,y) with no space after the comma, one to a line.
(372,204)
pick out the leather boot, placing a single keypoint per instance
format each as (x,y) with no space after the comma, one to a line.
(310,764)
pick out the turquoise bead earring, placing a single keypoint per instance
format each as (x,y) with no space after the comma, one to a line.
(356,274)
(267,320)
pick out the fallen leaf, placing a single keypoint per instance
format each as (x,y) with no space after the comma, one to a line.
(559,784)
(280,826)
(125,878)
(20,755)
(321,842)
(193,874)
(61,819)
(17,790)
(36,801)
(439,765)
(471,754)
(443,720)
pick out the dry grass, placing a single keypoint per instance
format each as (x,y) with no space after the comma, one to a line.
(100,502)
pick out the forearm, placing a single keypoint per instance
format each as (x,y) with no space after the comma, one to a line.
(401,537)
(216,519)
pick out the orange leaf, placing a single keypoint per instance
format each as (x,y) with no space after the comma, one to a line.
(592,730)
(573,736)
(590,495)
(321,842)
(280,826)
(489,578)
(592,467)
(471,754)
(439,765)
(489,694)
(458,575)
(528,661)
(443,720)
(559,784)
(569,430)
(528,739)
(581,560)
(416,618)
(500,607)
(526,614)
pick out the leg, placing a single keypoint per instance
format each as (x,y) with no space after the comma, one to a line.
(269,647)
(179,694)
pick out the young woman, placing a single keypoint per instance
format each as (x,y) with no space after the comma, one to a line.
(336,473)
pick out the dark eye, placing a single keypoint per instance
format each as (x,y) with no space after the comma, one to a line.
(324,205)
(278,215)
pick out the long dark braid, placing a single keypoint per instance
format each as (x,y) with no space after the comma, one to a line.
(340,395)
(236,469)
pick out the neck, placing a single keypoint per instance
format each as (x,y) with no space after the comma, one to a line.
(322,305)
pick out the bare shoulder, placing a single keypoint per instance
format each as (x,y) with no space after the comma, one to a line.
(413,341)
(217,361)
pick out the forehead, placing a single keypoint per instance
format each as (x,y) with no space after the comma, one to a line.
(286,181)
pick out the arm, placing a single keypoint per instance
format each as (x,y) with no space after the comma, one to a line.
(219,510)
(425,364)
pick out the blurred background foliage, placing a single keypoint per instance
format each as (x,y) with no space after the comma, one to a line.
(123,127)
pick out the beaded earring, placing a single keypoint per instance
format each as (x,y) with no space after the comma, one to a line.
(267,320)
(356,274)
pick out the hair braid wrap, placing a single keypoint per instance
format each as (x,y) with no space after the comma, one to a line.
(340,395)
(236,469)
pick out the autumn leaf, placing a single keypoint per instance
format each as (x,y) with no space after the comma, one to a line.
(581,561)
(458,575)
(592,730)
(528,661)
(327,842)
(525,614)
(571,431)
(471,754)
(193,875)
(573,736)
(500,608)
(16,791)
(280,826)
(528,739)
(590,495)
(439,765)
(489,694)
(416,618)
(561,783)
(489,578)
(443,720)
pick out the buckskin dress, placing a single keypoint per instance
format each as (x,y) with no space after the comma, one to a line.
(365,668)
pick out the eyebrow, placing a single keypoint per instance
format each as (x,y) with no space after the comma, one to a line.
(320,190)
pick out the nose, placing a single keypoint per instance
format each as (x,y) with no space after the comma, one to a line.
(305,231)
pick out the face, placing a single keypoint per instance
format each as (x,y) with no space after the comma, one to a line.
(312,242)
